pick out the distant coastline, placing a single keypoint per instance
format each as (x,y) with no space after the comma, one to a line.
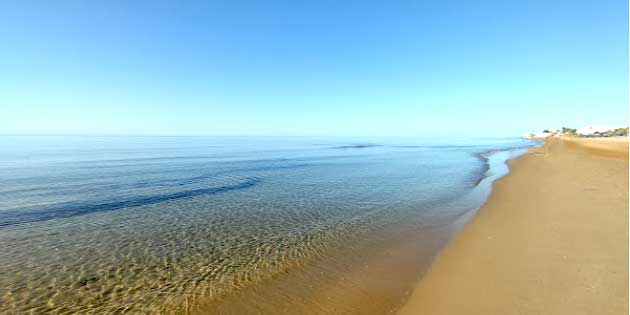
(601,131)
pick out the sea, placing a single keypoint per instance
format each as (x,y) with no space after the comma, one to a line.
(232,225)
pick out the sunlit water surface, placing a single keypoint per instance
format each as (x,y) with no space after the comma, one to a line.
(147,225)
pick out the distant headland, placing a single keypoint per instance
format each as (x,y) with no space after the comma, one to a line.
(586,132)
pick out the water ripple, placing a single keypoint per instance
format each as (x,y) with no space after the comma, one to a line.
(71,209)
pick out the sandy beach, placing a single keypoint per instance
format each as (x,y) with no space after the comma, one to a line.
(552,239)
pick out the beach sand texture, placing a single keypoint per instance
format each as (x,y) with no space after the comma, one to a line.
(552,239)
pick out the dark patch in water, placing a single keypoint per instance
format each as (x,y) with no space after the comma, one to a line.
(358,146)
(71,209)
(201,178)
(85,281)
(147,183)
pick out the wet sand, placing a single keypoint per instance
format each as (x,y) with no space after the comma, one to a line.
(552,239)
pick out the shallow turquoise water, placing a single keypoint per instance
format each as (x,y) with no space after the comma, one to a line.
(110,225)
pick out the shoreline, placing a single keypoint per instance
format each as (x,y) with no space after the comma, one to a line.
(561,248)
(364,263)
(369,279)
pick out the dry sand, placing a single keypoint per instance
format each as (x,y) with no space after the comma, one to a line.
(552,239)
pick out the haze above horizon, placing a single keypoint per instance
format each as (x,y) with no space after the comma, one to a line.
(351,68)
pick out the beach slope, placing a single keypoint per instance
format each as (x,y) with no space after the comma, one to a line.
(552,239)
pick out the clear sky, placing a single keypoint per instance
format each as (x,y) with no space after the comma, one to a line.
(487,68)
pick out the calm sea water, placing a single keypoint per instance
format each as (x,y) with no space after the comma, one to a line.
(138,225)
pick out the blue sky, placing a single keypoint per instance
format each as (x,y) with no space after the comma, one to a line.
(352,68)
